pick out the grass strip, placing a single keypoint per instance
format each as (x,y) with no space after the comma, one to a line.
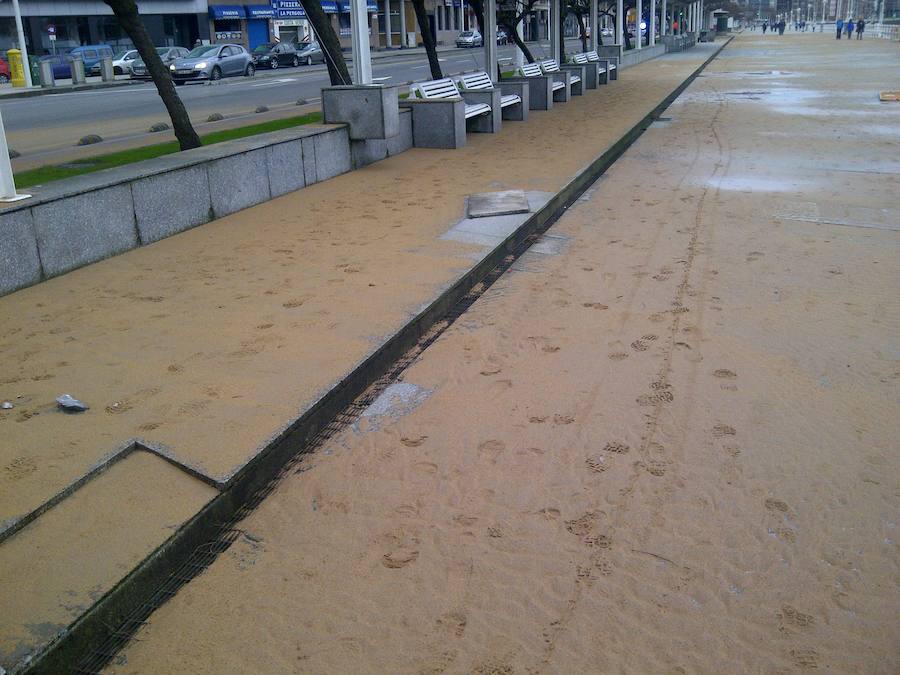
(46,174)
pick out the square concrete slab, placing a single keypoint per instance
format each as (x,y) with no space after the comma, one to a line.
(502,203)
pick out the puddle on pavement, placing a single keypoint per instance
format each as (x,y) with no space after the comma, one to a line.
(397,401)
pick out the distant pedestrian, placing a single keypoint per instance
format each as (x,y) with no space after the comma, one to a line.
(781,26)
(839,26)
(860,27)
(765,26)
(849,26)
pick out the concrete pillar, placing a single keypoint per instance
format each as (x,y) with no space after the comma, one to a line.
(663,19)
(518,56)
(620,22)
(595,28)
(402,23)
(651,29)
(639,12)
(554,29)
(359,40)
(387,23)
(490,39)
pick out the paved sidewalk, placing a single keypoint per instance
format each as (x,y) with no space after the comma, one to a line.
(664,441)
(211,342)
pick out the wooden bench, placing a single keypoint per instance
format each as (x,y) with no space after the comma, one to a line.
(511,98)
(576,74)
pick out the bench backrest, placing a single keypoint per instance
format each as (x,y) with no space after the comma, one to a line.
(531,70)
(580,59)
(444,88)
(592,56)
(476,81)
(550,66)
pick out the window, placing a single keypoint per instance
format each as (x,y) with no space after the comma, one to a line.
(90,54)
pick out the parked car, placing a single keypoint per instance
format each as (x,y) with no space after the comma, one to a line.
(122,61)
(167,54)
(90,55)
(469,38)
(606,32)
(502,37)
(275,54)
(310,52)
(4,72)
(212,62)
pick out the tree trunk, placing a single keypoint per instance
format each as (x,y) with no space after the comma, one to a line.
(328,41)
(478,9)
(563,10)
(514,36)
(428,39)
(126,13)
(582,33)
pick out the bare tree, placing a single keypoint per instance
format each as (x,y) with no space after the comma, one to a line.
(126,12)
(427,39)
(328,41)
(510,20)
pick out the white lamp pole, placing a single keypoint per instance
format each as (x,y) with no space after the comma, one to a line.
(359,42)
(7,182)
(21,36)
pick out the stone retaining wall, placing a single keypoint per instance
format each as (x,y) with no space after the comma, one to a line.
(78,221)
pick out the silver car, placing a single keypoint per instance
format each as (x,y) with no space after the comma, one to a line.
(309,53)
(469,38)
(212,62)
(167,54)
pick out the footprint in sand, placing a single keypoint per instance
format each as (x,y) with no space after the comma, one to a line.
(560,420)
(725,374)
(616,448)
(594,305)
(453,622)
(790,617)
(722,430)
(776,505)
(805,658)
(618,356)
(641,344)
(411,442)
(491,449)
(398,559)
(595,464)
(536,419)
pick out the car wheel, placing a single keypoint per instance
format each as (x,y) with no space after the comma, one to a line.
(216,74)
(295,62)
(178,83)
(117,71)
(251,70)
(274,64)
(309,60)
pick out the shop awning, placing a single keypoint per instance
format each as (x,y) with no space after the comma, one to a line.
(260,11)
(371,6)
(227,12)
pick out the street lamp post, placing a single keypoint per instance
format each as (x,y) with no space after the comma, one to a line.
(20,34)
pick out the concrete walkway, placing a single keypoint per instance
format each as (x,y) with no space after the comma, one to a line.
(664,441)
(210,344)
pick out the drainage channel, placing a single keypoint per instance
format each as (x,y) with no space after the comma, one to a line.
(96,638)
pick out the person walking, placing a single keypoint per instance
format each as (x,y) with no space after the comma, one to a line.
(839,26)
(860,27)
(849,26)
(765,26)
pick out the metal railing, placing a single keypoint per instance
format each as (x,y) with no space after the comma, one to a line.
(884,31)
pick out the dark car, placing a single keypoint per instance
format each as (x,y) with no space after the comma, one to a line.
(168,56)
(309,53)
(4,72)
(275,54)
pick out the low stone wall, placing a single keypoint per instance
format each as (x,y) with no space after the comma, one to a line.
(78,221)
(636,56)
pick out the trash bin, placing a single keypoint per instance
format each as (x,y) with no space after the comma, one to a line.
(35,64)
(77,68)
(46,74)
(107,74)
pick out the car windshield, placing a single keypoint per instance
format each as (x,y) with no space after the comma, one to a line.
(263,48)
(202,50)
(162,51)
(118,56)
(467,33)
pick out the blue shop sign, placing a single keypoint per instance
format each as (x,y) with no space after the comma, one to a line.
(288,9)
(371,6)
(260,11)
(227,12)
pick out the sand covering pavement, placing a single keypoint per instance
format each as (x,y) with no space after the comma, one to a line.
(211,341)
(670,447)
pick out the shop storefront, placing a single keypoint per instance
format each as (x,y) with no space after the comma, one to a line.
(88,22)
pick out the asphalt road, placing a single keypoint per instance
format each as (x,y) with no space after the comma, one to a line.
(45,128)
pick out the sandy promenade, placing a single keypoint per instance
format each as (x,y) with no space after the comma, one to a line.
(668,443)
(210,342)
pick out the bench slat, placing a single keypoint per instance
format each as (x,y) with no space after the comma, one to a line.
(510,99)
(477,109)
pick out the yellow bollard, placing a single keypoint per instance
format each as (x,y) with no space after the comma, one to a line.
(16,71)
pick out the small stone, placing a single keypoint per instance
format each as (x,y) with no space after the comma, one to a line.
(90,139)
(262,109)
(215,117)
(302,101)
(69,404)
(159,126)
(6,405)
